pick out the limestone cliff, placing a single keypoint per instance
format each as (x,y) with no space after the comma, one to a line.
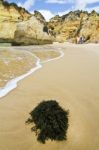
(39,16)
(31,32)
(18,26)
(73,24)
(10,15)
(90,28)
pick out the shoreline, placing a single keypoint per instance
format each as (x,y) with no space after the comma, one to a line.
(12,84)
(73,82)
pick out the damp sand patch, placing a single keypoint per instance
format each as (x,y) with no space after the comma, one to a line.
(14,63)
(46,55)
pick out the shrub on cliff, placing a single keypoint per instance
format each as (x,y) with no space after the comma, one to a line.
(51,121)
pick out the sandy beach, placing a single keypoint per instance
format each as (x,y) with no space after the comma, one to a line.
(73,81)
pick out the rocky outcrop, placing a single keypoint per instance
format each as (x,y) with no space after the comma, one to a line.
(10,15)
(39,16)
(90,28)
(31,32)
(18,26)
(74,24)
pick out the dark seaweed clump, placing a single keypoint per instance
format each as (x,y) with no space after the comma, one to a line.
(51,121)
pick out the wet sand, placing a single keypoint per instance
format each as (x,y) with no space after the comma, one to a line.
(14,63)
(46,55)
(74,82)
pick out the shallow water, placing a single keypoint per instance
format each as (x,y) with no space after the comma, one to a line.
(14,63)
(18,64)
(46,55)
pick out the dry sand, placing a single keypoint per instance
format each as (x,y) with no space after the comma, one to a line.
(72,80)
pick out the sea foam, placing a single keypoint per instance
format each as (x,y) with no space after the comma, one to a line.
(12,84)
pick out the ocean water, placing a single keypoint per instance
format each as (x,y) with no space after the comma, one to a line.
(14,63)
(18,64)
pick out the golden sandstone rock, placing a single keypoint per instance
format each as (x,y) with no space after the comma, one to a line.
(74,24)
(20,27)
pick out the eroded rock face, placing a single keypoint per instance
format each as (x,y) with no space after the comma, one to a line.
(31,32)
(74,24)
(10,15)
(90,28)
(18,26)
(39,16)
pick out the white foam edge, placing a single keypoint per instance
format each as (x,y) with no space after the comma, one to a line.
(12,84)
(61,55)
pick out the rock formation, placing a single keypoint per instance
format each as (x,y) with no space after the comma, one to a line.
(10,15)
(39,16)
(90,28)
(19,26)
(31,32)
(78,23)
